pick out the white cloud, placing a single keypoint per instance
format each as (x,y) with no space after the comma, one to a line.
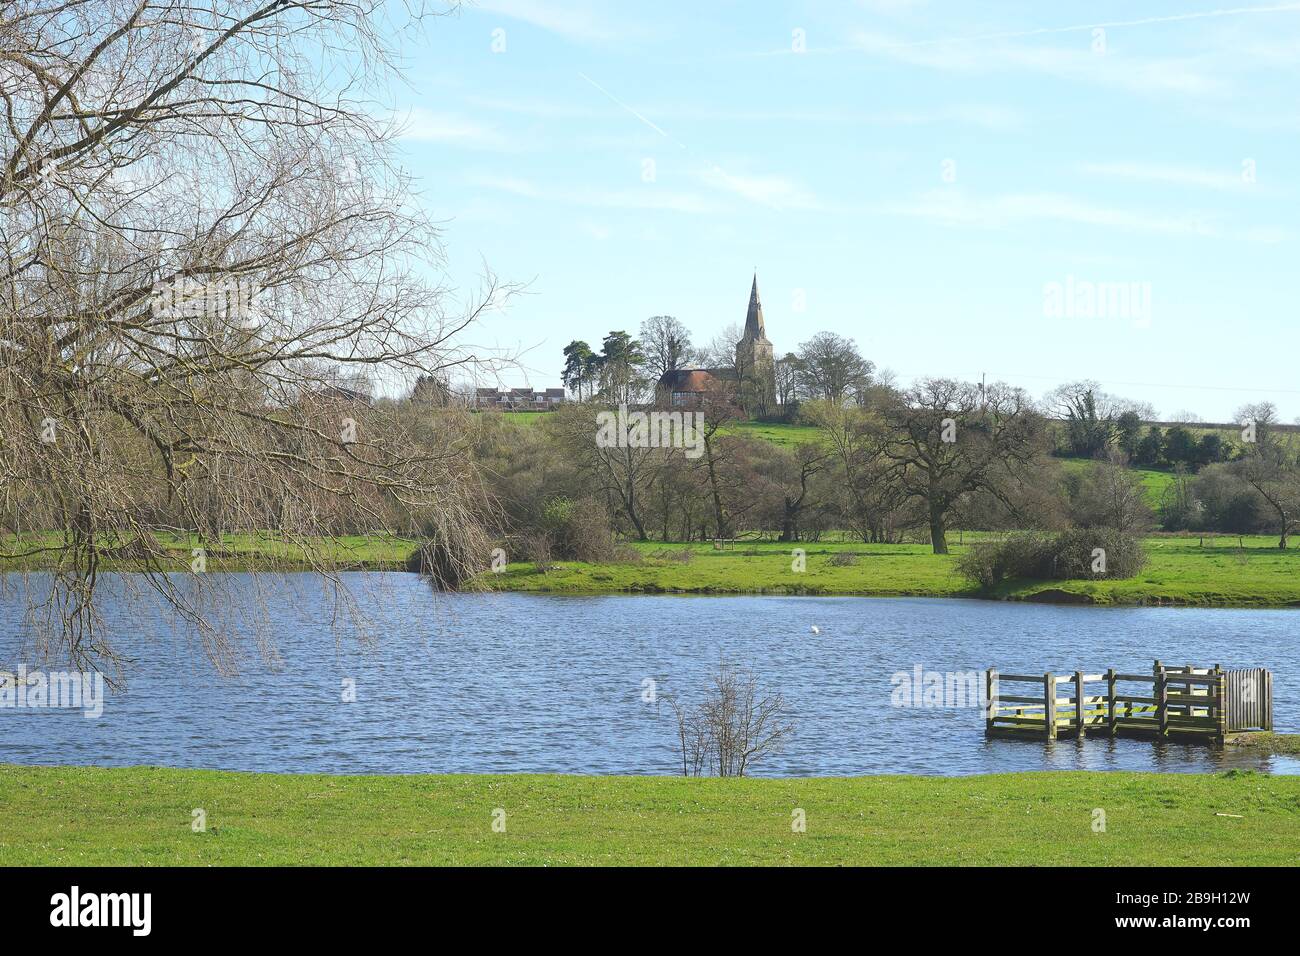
(574,21)
(1136,74)
(986,116)
(776,192)
(422,125)
(1225,180)
(651,197)
(953,208)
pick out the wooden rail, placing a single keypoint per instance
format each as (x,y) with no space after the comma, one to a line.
(1206,704)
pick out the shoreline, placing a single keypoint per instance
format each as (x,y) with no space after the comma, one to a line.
(1250,573)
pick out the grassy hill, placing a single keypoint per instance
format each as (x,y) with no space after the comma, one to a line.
(1154,480)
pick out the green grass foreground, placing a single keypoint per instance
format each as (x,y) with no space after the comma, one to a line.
(82,816)
(1182,571)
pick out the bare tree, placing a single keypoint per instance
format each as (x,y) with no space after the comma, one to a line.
(1092,416)
(735,725)
(873,501)
(666,345)
(624,473)
(1112,496)
(945,440)
(831,367)
(720,352)
(201,231)
(1271,466)
(788,370)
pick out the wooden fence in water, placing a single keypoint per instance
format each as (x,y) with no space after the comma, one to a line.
(1205,704)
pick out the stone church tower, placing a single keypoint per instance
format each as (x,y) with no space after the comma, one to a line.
(755,364)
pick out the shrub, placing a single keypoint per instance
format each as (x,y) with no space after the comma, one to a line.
(1074,554)
(579,531)
(843,559)
(989,563)
(537,549)
(1070,555)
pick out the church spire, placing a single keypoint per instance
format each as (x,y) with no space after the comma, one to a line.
(754,328)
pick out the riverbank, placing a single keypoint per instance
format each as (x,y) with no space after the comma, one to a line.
(1183,571)
(1190,572)
(85,816)
(1269,743)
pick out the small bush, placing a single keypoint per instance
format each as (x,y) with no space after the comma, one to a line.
(537,549)
(843,559)
(1070,555)
(578,531)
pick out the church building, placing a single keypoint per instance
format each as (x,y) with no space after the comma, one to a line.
(754,370)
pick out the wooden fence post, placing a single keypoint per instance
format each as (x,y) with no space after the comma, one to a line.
(1220,704)
(1110,702)
(1079,717)
(1049,704)
(1267,701)
(991,699)
(1161,683)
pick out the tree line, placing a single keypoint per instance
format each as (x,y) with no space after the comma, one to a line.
(827,367)
(903,464)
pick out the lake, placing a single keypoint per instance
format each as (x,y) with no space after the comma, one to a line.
(527,683)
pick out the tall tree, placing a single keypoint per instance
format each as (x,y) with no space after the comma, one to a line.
(874,502)
(621,363)
(666,345)
(580,367)
(832,368)
(1270,464)
(789,368)
(204,227)
(943,443)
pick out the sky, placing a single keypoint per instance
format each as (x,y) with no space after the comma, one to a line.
(944,182)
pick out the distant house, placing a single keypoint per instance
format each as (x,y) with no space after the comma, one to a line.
(518,399)
(686,387)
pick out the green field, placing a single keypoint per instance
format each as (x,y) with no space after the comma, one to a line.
(1154,480)
(1195,570)
(785,436)
(74,816)
(1181,571)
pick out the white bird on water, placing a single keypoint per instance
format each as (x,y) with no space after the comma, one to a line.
(816,629)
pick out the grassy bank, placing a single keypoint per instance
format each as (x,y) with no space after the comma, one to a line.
(142,816)
(1182,571)
(1195,571)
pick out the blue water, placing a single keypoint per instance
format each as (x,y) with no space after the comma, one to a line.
(523,683)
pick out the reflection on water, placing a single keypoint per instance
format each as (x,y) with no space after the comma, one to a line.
(525,683)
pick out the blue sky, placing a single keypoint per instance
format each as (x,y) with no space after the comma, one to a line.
(914,177)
